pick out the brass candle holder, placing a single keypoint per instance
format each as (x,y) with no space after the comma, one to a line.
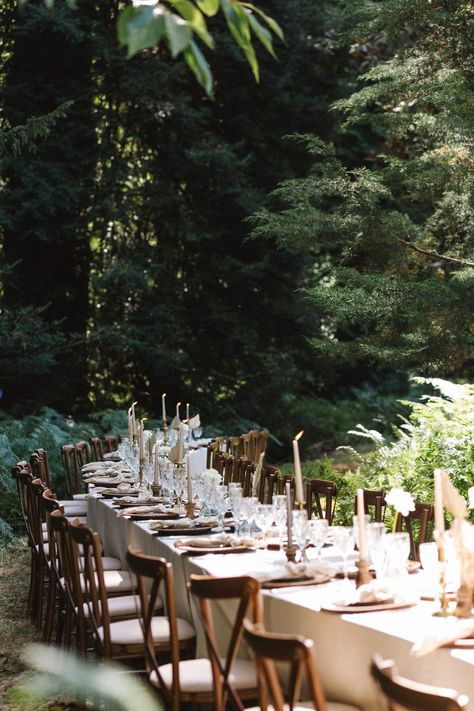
(156,489)
(142,484)
(443,597)
(290,551)
(190,509)
(363,576)
(165,434)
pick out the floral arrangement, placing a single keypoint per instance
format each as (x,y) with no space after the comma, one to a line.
(164,450)
(210,477)
(402,501)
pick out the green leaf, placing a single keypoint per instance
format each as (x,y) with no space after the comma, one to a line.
(263,35)
(208,7)
(178,32)
(195,18)
(198,64)
(273,25)
(238,23)
(140,27)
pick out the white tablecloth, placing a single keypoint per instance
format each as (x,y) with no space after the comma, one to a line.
(344,644)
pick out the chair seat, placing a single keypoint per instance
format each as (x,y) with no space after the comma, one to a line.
(130,633)
(108,563)
(74,507)
(195,675)
(80,497)
(116,581)
(124,606)
(330,706)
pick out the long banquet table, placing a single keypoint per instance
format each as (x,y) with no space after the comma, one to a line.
(344,644)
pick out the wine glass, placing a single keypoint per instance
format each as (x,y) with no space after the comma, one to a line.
(376,545)
(280,514)
(247,511)
(220,503)
(397,546)
(317,531)
(300,532)
(344,542)
(264,519)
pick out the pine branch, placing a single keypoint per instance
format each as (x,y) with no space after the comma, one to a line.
(444,257)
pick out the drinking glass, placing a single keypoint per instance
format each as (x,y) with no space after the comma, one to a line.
(248,511)
(344,542)
(264,518)
(280,514)
(376,546)
(317,531)
(355,527)
(300,531)
(397,547)
(235,504)
(220,503)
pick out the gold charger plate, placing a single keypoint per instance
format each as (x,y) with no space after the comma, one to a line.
(115,494)
(125,505)
(153,516)
(295,582)
(366,607)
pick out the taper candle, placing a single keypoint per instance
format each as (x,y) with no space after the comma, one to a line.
(438,501)
(362,543)
(289,515)
(187,410)
(298,475)
(163,406)
(188,473)
(177,410)
(156,467)
(141,441)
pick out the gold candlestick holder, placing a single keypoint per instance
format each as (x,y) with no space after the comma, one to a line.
(443,597)
(165,434)
(190,509)
(156,489)
(142,484)
(363,576)
(290,551)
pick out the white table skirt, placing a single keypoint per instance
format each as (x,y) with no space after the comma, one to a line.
(344,644)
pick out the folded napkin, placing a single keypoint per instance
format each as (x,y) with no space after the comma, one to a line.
(159,508)
(443,631)
(136,499)
(94,466)
(377,592)
(112,457)
(183,523)
(100,480)
(219,541)
(296,570)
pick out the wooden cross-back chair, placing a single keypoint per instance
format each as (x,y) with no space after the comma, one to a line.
(268,485)
(217,446)
(283,479)
(253,444)
(40,466)
(35,488)
(56,589)
(374,504)
(83,452)
(316,491)
(71,468)
(234,679)
(111,443)
(296,653)
(406,695)
(247,478)
(21,473)
(181,680)
(219,462)
(422,517)
(97,448)
(234,446)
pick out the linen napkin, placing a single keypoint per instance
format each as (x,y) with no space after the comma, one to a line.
(378,592)
(218,541)
(102,480)
(136,499)
(183,523)
(443,632)
(296,570)
(159,508)
(95,466)
(112,457)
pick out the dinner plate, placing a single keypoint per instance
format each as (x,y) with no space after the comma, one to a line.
(194,550)
(152,516)
(115,494)
(125,505)
(366,607)
(175,531)
(291,582)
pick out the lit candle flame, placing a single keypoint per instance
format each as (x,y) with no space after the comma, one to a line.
(299,435)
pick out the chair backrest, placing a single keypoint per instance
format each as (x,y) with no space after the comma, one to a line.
(88,585)
(71,467)
(218,462)
(268,484)
(49,504)
(111,443)
(40,466)
(374,504)
(253,444)
(316,490)
(296,652)
(234,446)
(282,482)
(21,473)
(247,478)
(97,448)
(217,445)
(154,574)
(424,516)
(83,452)
(404,694)
(59,527)
(247,591)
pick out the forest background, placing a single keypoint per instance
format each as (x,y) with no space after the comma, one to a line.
(286,254)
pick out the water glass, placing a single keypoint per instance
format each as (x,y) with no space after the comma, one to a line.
(300,531)
(264,518)
(344,542)
(376,546)
(317,529)
(397,550)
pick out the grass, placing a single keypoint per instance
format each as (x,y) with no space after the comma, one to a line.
(16,630)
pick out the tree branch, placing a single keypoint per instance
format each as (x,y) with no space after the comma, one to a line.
(444,257)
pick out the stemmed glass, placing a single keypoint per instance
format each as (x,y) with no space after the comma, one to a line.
(317,532)
(247,511)
(300,532)
(376,545)
(220,503)
(397,546)
(264,519)
(344,542)
(280,514)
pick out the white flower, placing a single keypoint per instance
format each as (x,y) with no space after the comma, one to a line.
(470,493)
(164,450)
(401,500)
(211,477)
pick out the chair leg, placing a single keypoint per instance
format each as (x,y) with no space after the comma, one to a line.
(67,625)
(39,615)
(50,607)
